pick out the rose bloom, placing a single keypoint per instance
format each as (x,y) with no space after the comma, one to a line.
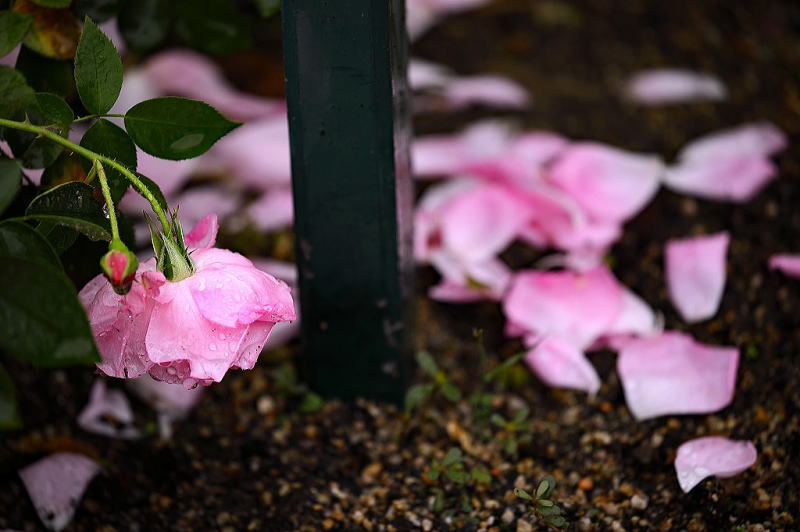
(193,330)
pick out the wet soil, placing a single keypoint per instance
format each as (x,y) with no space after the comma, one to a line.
(247,459)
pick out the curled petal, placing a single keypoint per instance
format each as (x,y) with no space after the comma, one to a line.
(558,363)
(695,270)
(56,484)
(204,234)
(789,264)
(703,457)
(105,404)
(673,374)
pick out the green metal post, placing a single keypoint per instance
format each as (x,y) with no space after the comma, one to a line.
(349,127)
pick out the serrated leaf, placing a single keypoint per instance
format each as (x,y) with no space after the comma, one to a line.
(144,24)
(176,128)
(13,27)
(44,74)
(16,94)
(213,27)
(106,138)
(453,456)
(10,182)
(72,205)
(54,32)
(98,69)
(41,319)
(54,109)
(426,362)
(22,241)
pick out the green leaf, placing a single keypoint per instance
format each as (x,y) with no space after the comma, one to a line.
(417,395)
(54,109)
(498,420)
(434,473)
(557,521)
(457,476)
(522,494)
(97,10)
(41,319)
(68,167)
(545,502)
(504,366)
(108,139)
(16,94)
(53,3)
(60,238)
(552,510)
(9,414)
(213,27)
(451,392)
(44,74)
(144,24)
(453,456)
(480,475)
(426,362)
(72,205)
(311,403)
(546,487)
(54,32)
(10,182)
(22,241)
(13,27)
(267,8)
(176,128)
(98,69)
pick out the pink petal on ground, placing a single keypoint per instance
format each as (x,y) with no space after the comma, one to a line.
(273,211)
(427,74)
(695,269)
(673,374)
(558,363)
(714,455)
(578,307)
(671,85)
(787,263)
(256,154)
(438,155)
(189,74)
(636,317)
(488,280)
(172,402)
(611,184)
(204,234)
(56,484)
(486,90)
(730,165)
(196,202)
(106,405)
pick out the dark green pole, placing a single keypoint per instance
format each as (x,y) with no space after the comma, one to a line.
(349,128)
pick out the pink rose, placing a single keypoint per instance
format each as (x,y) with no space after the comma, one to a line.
(193,330)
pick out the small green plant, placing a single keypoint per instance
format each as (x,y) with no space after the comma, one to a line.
(541,505)
(451,469)
(420,396)
(286,382)
(513,431)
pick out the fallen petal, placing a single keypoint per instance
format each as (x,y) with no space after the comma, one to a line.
(558,363)
(787,263)
(673,374)
(108,413)
(714,455)
(695,270)
(56,484)
(486,90)
(671,85)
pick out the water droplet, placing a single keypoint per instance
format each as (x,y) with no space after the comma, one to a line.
(105,211)
(212,347)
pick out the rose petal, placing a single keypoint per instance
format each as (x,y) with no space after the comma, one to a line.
(204,234)
(789,264)
(104,404)
(273,211)
(730,165)
(611,184)
(673,374)
(197,202)
(579,307)
(56,484)
(558,363)
(695,269)
(671,85)
(703,457)
(486,90)
(437,155)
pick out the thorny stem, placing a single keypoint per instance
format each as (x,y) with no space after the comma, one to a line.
(92,156)
(90,117)
(112,215)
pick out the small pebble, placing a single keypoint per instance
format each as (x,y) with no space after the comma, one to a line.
(639,502)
